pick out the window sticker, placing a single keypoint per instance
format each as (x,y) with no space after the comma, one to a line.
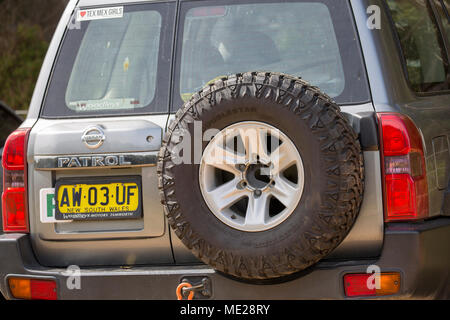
(102,104)
(100,13)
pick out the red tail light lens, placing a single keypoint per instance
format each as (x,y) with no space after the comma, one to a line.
(14,208)
(356,285)
(14,205)
(395,138)
(14,151)
(401,196)
(405,184)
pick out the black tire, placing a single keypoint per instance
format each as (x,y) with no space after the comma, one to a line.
(333,167)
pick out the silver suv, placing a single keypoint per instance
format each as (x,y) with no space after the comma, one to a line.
(209,149)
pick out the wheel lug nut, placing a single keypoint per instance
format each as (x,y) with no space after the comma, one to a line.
(242,185)
(241,167)
(258,193)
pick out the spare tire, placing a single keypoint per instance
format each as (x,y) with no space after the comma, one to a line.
(289,188)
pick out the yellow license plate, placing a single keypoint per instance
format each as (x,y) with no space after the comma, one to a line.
(99,199)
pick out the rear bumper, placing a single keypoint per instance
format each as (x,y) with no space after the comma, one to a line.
(420,252)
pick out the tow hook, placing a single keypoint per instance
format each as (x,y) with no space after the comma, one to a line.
(188,288)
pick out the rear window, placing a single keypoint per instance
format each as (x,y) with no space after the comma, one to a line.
(122,65)
(313,40)
(116,65)
(113,65)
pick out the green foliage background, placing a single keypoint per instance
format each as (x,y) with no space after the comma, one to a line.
(25,33)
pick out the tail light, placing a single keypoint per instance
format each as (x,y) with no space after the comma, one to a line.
(403,161)
(33,289)
(356,284)
(14,198)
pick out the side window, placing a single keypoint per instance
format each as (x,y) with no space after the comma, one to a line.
(442,7)
(421,44)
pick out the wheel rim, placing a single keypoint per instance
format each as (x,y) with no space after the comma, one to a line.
(251,176)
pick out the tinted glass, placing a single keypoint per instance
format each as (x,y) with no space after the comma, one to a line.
(442,7)
(117,63)
(421,44)
(312,40)
(114,66)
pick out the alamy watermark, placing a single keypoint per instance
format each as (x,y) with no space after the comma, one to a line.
(230,146)
(374,19)
(74,23)
(73,274)
(374,281)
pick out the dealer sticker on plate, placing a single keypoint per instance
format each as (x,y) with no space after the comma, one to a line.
(48,206)
(100,13)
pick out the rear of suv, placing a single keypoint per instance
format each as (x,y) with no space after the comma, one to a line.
(174,144)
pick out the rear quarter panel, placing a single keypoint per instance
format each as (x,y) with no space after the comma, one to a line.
(392,93)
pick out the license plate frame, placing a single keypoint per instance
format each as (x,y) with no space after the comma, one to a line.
(97,183)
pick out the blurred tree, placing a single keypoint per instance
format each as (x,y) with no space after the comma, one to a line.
(26,30)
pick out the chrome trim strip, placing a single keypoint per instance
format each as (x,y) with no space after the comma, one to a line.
(96,161)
